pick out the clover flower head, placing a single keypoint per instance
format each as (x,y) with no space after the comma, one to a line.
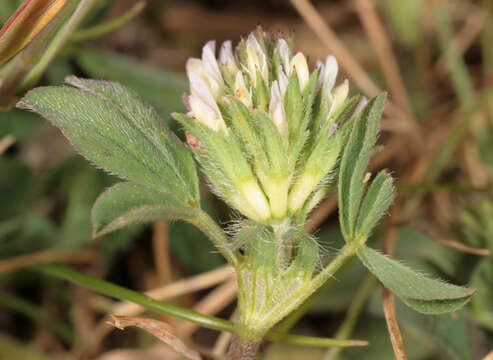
(266,130)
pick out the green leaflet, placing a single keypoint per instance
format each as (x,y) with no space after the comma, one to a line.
(421,293)
(129,203)
(376,202)
(109,125)
(354,162)
(176,156)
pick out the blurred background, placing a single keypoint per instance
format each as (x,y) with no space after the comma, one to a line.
(434,58)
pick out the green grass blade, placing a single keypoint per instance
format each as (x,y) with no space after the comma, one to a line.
(122,293)
(160,307)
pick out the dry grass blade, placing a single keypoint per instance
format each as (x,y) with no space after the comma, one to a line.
(173,290)
(224,339)
(463,40)
(387,296)
(451,243)
(393,325)
(330,39)
(160,245)
(153,353)
(6,142)
(211,304)
(388,63)
(355,71)
(159,329)
(178,288)
(54,256)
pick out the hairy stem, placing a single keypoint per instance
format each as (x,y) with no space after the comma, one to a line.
(218,237)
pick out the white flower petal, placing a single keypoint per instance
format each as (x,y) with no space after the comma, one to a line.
(226,57)
(203,112)
(210,70)
(209,57)
(275,95)
(298,63)
(328,76)
(283,80)
(256,60)
(340,94)
(198,87)
(195,66)
(284,54)
(207,115)
(276,109)
(361,105)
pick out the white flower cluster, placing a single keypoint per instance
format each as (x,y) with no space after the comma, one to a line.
(207,84)
(268,172)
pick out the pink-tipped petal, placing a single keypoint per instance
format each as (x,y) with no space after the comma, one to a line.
(186,102)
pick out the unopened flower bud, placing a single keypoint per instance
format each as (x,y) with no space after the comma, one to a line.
(256,60)
(340,95)
(203,106)
(276,109)
(327,76)
(256,199)
(299,64)
(226,57)
(284,54)
(283,81)
(361,105)
(208,70)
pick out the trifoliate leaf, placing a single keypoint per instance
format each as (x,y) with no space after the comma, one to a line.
(421,293)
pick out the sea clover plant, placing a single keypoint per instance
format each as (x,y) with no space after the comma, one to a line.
(272,139)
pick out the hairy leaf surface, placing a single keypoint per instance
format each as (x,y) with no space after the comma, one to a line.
(109,125)
(421,293)
(129,203)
